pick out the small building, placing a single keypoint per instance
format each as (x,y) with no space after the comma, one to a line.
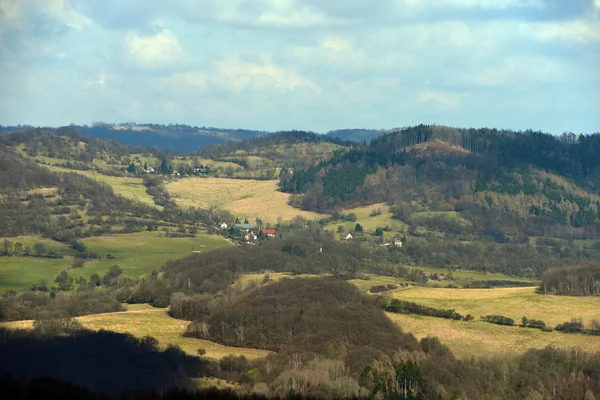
(348,237)
(269,232)
(251,236)
(244,227)
(398,242)
(224,225)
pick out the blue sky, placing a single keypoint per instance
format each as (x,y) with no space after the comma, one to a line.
(312,64)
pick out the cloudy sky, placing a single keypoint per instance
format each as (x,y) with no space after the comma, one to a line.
(302,64)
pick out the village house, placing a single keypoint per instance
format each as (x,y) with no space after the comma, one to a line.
(348,237)
(251,236)
(224,225)
(269,232)
(398,242)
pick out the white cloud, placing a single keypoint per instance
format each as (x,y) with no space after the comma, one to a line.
(239,75)
(154,51)
(442,98)
(485,4)
(581,30)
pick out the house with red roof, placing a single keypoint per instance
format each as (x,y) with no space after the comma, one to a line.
(269,232)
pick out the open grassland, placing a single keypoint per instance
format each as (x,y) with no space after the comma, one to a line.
(143,320)
(136,253)
(369,222)
(510,302)
(129,187)
(476,338)
(140,253)
(19,273)
(30,240)
(244,198)
(462,277)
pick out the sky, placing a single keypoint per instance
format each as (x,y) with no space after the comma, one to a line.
(302,64)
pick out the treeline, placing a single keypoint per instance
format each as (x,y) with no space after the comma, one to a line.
(41,304)
(576,280)
(512,259)
(398,306)
(495,184)
(488,284)
(278,138)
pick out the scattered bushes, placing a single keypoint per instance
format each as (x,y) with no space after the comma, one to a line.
(406,307)
(499,320)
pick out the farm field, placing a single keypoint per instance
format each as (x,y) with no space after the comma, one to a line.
(136,253)
(464,276)
(143,320)
(129,187)
(510,302)
(370,223)
(19,273)
(140,253)
(476,338)
(244,198)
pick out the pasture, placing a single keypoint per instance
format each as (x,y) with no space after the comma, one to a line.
(136,253)
(244,198)
(140,253)
(19,273)
(510,302)
(129,187)
(476,338)
(371,222)
(143,320)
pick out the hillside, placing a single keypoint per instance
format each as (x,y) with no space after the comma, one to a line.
(500,182)
(309,316)
(177,138)
(357,135)
(292,149)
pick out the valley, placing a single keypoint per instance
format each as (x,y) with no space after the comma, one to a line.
(292,254)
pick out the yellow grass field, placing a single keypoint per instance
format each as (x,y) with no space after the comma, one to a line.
(143,320)
(244,198)
(476,338)
(370,223)
(510,302)
(129,187)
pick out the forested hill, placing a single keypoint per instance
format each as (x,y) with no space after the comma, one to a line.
(278,138)
(357,135)
(177,138)
(512,182)
(288,149)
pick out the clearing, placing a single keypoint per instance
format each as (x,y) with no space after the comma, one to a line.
(244,198)
(143,320)
(510,302)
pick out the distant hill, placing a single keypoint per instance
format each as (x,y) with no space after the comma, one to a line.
(288,149)
(177,138)
(357,135)
(500,181)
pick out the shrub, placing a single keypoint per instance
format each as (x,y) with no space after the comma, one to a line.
(499,320)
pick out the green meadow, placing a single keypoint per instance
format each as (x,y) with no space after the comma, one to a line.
(137,254)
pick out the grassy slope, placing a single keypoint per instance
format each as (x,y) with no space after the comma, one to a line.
(243,198)
(510,302)
(19,273)
(140,253)
(129,187)
(476,338)
(143,320)
(369,223)
(137,253)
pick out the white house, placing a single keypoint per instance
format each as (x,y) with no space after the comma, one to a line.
(398,242)
(223,225)
(348,237)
